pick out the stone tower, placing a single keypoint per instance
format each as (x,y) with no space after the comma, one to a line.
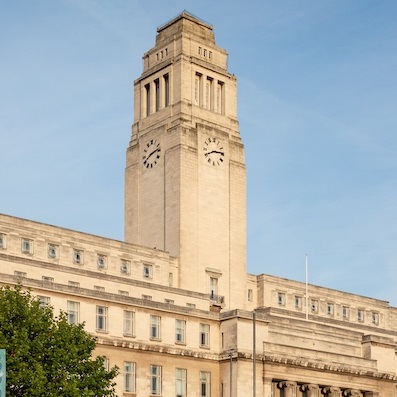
(185,178)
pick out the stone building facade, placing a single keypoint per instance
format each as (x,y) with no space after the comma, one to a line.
(173,306)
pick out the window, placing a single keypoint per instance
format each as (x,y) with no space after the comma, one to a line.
(360,315)
(180,326)
(43,301)
(169,301)
(129,377)
(2,240)
(27,246)
(47,279)
(204,335)
(180,382)
(170,279)
(157,91)
(219,98)
(125,267)
(102,262)
(128,322)
(20,274)
(124,293)
(298,302)
(101,318)
(155,380)
(197,89)
(330,309)
(73,283)
(78,256)
(73,310)
(281,298)
(99,288)
(147,297)
(250,295)
(208,93)
(166,90)
(147,91)
(205,382)
(53,251)
(147,271)
(345,312)
(375,318)
(314,305)
(213,287)
(155,327)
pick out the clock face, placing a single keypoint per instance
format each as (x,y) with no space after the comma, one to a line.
(213,151)
(151,153)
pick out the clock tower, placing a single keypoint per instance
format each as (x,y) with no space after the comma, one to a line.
(185,178)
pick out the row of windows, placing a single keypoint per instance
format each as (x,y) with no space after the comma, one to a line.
(156,95)
(330,308)
(102,322)
(209,93)
(155,371)
(204,52)
(53,252)
(161,54)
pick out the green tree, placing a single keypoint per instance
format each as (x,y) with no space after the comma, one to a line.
(47,356)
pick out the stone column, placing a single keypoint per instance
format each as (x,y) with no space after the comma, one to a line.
(331,391)
(310,390)
(352,393)
(288,388)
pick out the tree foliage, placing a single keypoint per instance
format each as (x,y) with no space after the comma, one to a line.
(47,356)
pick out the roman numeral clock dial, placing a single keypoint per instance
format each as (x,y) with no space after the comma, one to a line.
(213,151)
(151,154)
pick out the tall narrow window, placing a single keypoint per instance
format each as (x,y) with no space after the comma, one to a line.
(375,318)
(157,91)
(44,301)
(2,240)
(219,97)
(180,382)
(166,90)
(281,298)
(180,326)
(208,93)
(330,309)
(204,335)
(345,312)
(27,246)
(147,91)
(205,383)
(360,315)
(73,310)
(129,377)
(213,287)
(128,322)
(155,380)
(155,327)
(197,89)
(101,318)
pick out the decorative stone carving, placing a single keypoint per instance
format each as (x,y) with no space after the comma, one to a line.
(288,387)
(331,391)
(352,393)
(310,390)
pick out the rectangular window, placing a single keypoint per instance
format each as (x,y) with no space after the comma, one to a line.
(298,302)
(345,312)
(53,251)
(147,92)
(360,315)
(155,380)
(166,90)
(27,246)
(281,298)
(314,305)
(155,322)
(125,267)
(101,318)
(73,311)
(47,279)
(250,295)
(205,384)
(129,377)
(147,271)
(128,322)
(197,89)
(204,335)
(2,240)
(219,98)
(74,284)
(147,297)
(102,262)
(180,382)
(157,91)
(208,93)
(213,287)
(78,256)
(330,309)
(375,318)
(43,300)
(180,326)
(170,279)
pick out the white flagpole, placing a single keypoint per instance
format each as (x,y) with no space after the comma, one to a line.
(307,289)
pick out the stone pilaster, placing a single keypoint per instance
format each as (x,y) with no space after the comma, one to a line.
(310,390)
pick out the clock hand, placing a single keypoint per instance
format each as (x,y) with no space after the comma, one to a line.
(154,151)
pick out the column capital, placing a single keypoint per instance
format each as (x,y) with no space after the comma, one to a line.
(286,384)
(331,391)
(352,393)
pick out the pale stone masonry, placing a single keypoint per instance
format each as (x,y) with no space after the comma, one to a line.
(173,306)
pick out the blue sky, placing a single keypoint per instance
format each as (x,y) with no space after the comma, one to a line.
(317,86)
